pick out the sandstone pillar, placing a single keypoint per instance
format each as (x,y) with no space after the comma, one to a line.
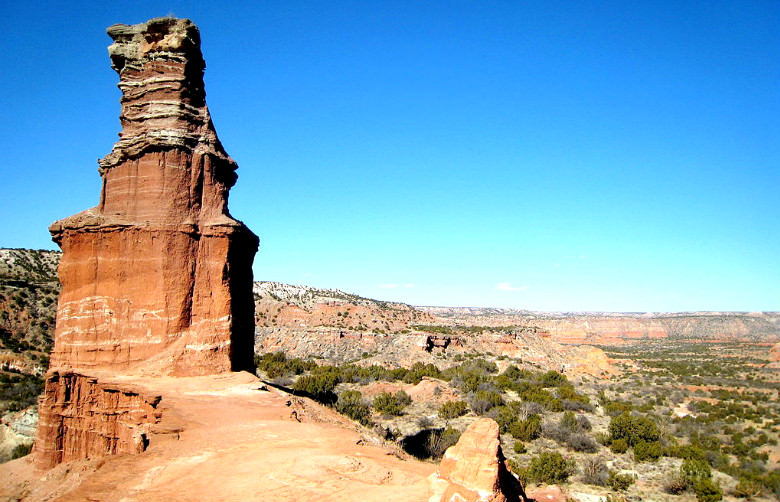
(157,278)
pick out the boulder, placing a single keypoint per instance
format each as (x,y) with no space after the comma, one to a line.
(474,471)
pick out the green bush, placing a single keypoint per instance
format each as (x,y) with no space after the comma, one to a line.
(453,409)
(706,490)
(619,445)
(528,429)
(319,386)
(693,468)
(21,450)
(619,482)
(644,452)
(389,404)
(276,364)
(748,488)
(420,370)
(633,429)
(552,379)
(350,403)
(519,448)
(550,468)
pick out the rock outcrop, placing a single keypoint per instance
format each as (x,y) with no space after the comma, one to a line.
(473,470)
(157,279)
(158,276)
(83,418)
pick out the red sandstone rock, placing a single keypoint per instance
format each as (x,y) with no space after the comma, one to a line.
(473,470)
(81,417)
(157,278)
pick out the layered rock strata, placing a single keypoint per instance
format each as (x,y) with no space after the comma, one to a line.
(158,276)
(157,279)
(82,417)
(473,470)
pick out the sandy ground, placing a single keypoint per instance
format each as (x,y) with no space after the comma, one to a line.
(222,438)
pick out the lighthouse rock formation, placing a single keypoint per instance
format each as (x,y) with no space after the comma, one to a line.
(157,279)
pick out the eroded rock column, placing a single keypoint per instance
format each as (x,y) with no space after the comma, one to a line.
(157,278)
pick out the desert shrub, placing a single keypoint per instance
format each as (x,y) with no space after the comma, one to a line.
(748,488)
(505,416)
(633,429)
(483,400)
(555,432)
(519,447)
(615,408)
(644,452)
(389,404)
(276,364)
(685,451)
(21,391)
(528,429)
(350,403)
(21,450)
(420,370)
(594,471)
(583,423)
(619,482)
(676,484)
(550,468)
(568,422)
(693,468)
(572,400)
(552,379)
(319,386)
(582,442)
(453,409)
(439,440)
(543,397)
(619,445)
(706,490)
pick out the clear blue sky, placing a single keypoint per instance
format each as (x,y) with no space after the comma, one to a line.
(614,155)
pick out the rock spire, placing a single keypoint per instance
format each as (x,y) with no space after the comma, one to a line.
(157,278)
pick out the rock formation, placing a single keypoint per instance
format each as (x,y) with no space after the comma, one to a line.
(157,279)
(83,418)
(473,470)
(158,276)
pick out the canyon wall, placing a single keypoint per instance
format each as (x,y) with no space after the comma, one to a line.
(156,279)
(602,328)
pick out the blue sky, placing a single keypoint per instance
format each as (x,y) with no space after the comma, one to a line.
(618,156)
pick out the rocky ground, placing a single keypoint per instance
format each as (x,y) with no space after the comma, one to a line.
(237,427)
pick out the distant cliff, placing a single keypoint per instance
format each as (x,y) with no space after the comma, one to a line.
(602,328)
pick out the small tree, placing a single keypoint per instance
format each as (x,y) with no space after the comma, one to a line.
(550,468)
